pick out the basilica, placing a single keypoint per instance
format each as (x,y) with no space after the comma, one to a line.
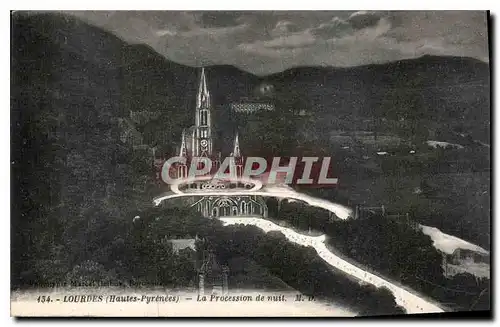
(198,141)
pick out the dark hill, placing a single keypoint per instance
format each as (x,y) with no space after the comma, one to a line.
(450,90)
(435,87)
(70,81)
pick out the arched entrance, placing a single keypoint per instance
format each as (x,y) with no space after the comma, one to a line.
(224,207)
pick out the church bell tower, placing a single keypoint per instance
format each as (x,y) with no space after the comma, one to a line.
(202,134)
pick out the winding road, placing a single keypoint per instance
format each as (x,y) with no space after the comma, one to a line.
(410,300)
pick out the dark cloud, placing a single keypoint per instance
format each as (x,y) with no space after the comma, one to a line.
(335,28)
(360,19)
(269,41)
(339,27)
(284,27)
(215,19)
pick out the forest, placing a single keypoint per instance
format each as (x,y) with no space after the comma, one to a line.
(392,248)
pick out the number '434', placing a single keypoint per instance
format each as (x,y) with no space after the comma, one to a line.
(43,299)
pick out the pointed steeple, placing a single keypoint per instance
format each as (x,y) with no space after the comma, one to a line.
(236,149)
(183,150)
(203,96)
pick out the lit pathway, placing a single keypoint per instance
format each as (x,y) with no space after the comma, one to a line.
(340,211)
(412,302)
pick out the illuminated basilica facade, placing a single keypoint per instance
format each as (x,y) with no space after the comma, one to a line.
(198,141)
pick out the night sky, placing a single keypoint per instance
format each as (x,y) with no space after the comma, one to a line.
(270,41)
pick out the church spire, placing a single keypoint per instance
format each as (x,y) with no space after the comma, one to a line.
(183,150)
(236,149)
(202,138)
(203,96)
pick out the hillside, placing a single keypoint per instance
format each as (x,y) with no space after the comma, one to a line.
(70,82)
(69,168)
(76,185)
(450,90)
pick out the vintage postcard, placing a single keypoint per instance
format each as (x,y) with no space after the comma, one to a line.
(250,164)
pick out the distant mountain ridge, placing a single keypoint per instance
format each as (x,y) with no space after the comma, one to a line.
(429,87)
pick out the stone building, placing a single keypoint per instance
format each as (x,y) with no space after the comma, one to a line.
(249,106)
(200,143)
(213,277)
